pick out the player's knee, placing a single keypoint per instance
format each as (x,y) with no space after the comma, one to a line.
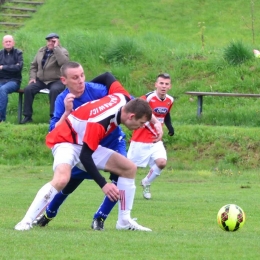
(61,177)
(60,183)
(161,163)
(130,172)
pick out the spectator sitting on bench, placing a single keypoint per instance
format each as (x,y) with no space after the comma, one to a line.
(11,65)
(45,73)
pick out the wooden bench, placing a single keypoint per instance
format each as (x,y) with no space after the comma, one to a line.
(218,94)
(20,101)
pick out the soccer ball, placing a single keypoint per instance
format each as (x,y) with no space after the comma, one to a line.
(231,217)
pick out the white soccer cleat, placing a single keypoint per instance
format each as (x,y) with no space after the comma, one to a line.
(22,226)
(132,225)
(146,190)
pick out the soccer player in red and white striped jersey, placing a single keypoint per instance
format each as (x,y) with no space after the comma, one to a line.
(142,150)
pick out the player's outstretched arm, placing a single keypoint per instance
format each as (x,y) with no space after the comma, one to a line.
(158,128)
(168,124)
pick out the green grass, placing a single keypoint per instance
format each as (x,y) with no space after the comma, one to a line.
(212,161)
(136,41)
(182,214)
(192,147)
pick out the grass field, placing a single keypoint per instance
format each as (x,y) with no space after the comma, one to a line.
(213,160)
(182,215)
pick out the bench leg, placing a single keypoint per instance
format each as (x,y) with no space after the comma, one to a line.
(200,103)
(20,107)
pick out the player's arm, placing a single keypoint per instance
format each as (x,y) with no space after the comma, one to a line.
(112,84)
(105,79)
(89,165)
(86,159)
(168,124)
(63,108)
(156,123)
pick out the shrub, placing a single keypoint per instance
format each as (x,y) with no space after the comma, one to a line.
(237,53)
(123,50)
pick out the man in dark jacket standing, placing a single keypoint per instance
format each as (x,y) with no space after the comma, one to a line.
(11,64)
(45,73)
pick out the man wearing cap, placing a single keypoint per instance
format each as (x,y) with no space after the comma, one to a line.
(45,73)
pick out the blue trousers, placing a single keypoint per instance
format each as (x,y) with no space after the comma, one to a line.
(6,87)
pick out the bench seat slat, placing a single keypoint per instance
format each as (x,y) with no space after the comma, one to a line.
(219,94)
(193,93)
(20,101)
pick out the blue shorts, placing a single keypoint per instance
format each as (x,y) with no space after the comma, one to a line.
(115,141)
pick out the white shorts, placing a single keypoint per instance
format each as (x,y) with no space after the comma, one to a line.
(69,153)
(142,154)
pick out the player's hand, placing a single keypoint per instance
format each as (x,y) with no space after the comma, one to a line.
(68,102)
(111,191)
(159,131)
(171,131)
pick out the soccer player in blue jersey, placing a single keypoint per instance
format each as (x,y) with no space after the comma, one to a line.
(83,92)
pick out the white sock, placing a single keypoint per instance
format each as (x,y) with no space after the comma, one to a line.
(127,193)
(154,172)
(41,200)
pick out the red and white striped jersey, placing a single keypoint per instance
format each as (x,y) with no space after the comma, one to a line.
(160,109)
(89,123)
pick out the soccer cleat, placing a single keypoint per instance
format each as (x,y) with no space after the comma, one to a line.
(146,190)
(132,225)
(98,224)
(41,221)
(22,226)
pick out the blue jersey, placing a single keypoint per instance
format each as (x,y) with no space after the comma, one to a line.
(115,141)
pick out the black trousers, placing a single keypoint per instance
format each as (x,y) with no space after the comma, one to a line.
(32,89)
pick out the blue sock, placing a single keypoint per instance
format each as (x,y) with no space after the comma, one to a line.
(53,207)
(105,208)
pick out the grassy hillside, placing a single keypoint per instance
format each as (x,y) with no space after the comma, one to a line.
(176,20)
(136,40)
(193,147)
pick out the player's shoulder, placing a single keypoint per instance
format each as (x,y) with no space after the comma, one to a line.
(150,94)
(169,97)
(63,94)
(94,86)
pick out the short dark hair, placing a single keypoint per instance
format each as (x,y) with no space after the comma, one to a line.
(68,65)
(140,108)
(164,75)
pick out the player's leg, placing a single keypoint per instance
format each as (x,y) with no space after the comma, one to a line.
(77,176)
(53,208)
(104,209)
(126,185)
(64,160)
(157,163)
(117,143)
(140,154)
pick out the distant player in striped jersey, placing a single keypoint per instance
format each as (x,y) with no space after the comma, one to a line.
(75,142)
(143,151)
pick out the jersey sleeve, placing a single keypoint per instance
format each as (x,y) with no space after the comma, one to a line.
(59,109)
(116,87)
(105,79)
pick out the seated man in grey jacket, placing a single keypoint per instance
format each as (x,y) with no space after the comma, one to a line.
(45,73)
